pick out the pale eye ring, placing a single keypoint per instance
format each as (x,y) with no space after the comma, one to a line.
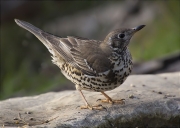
(121,35)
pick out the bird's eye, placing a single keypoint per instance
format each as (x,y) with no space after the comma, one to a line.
(121,35)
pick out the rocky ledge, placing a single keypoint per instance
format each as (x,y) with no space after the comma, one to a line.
(151,101)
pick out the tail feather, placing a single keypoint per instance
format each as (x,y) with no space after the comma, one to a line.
(36,31)
(40,34)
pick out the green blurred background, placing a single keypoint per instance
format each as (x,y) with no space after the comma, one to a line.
(26,67)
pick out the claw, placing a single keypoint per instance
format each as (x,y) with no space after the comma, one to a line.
(121,101)
(98,100)
(95,107)
(109,100)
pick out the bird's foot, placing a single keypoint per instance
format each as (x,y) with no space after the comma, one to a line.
(121,101)
(95,107)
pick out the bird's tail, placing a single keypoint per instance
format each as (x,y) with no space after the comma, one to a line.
(34,30)
(40,34)
(28,27)
(46,38)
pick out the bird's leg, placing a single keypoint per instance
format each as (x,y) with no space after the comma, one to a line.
(85,101)
(87,106)
(109,100)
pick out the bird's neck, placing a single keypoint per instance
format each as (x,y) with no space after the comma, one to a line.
(120,51)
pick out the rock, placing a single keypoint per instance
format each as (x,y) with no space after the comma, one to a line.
(147,108)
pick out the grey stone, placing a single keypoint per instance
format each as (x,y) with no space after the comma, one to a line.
(155,103)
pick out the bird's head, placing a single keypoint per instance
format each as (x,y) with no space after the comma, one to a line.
(120,38)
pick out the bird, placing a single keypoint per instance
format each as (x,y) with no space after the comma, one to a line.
(92,65)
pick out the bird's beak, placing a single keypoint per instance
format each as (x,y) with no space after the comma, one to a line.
(135,29)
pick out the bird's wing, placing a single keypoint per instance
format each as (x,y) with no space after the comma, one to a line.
(81,53)
(89,56)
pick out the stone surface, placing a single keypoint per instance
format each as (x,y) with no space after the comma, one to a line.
(151,101)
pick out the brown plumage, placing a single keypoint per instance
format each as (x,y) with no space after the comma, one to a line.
(92,65)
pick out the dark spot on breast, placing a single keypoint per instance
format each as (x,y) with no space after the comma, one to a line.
(116,71)
(99,80)
(93,83)
(78,80)
(118,63)
(105,84)
(125,74)
(88,80)
(99,84)
(93,79)
(104,81)
(77,73)
(121,81)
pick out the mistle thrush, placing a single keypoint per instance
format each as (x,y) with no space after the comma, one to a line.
(91,65)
